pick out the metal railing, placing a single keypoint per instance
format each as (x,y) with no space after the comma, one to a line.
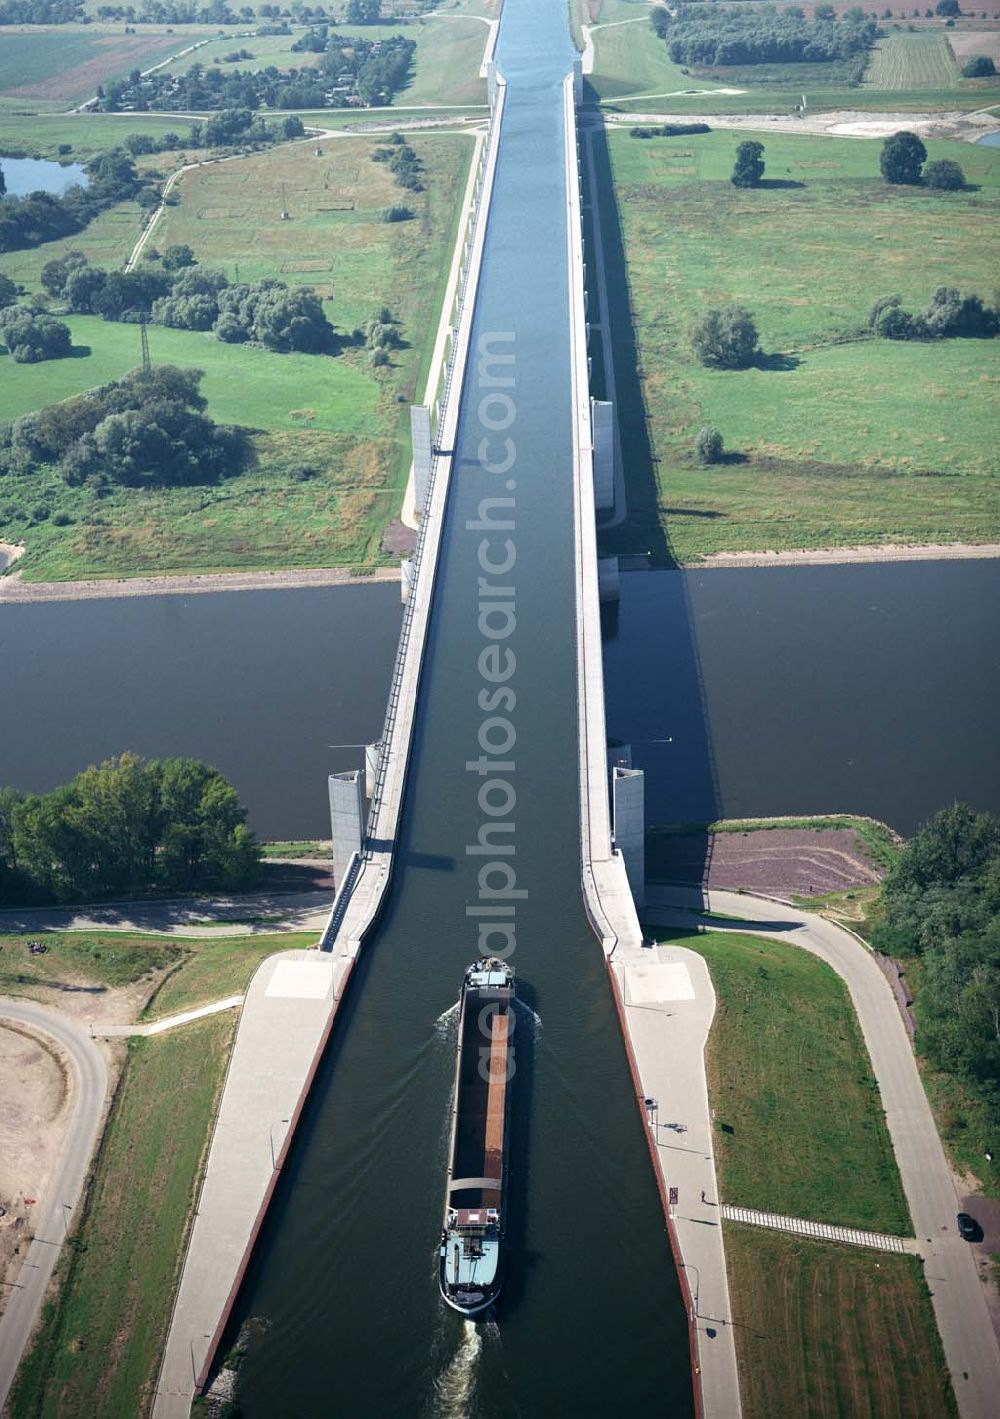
(340,902)
(479,215)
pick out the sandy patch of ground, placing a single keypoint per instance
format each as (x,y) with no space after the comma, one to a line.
(14,589)
(9,553)
(831,556)
(35,1105)
(844,123)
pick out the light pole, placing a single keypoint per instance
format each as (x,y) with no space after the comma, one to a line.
(690,1266)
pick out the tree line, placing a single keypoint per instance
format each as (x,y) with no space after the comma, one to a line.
(941,904)
(125,828)
(351,70)
(713,37)
(148,429)
(268,312)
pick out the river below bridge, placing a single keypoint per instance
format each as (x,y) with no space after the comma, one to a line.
(865,689)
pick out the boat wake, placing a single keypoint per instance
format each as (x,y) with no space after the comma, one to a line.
(455,1386)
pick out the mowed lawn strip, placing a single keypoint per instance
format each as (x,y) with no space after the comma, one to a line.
(100,1341)
(826,1331)
(834,436)
(799,1124)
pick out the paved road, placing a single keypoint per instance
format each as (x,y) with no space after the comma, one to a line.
(91,1087)
(970,1345)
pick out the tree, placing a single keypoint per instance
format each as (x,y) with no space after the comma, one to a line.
(749,167)
(363,12)
(944,175)
(902,158)
(176,257)
(82,287)
(8,291)
(124,827)
(947,7)
(31,338)
(293,127)
(726,338)
(3,182)
(709,445)
(980,66)
(659,18)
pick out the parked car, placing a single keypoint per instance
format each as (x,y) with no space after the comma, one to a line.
(969,1228)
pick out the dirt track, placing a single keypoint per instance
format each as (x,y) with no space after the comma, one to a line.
(843,123)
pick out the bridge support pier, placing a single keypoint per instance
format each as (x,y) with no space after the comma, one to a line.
(347,818)
(628,804)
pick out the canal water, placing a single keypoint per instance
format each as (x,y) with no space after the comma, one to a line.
(866,689)
(343,1293)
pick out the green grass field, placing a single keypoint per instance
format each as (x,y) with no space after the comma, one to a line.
(100,1340)
(244,384)
(808,255)
(827,1331)
(630,59)
(65,64)
(332,462)
(912,61)
(799,1125)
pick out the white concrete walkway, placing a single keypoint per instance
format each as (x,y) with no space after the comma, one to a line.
(970,1344)
(822,1231)
(286,1020)
(169,1022)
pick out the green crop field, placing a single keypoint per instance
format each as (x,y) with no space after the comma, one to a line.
(65,65)
(100,1339)
(911,61)
(799,1125)
(332,458)
(827,1331)
(837,432)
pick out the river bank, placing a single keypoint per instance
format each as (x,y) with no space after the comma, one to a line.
(16,591)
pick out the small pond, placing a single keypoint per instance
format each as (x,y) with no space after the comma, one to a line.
(992,140)
(24,175)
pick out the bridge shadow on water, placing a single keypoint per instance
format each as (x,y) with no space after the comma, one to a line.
(654,687)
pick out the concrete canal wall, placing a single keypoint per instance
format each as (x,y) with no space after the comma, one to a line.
(292,1002)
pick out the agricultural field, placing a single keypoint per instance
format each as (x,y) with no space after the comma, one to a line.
(821,1329)
(333,451)
(807,470)
(912,61)
(63,65)
(799,1124)
(966,43)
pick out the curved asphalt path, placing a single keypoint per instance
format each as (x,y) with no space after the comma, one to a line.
(90,1089)
(970,1344)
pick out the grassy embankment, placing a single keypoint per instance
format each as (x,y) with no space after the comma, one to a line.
(333,441)
(101,1337)
(800,1131)
(839,439)
(826,1330)
(177,973)
(800,1128)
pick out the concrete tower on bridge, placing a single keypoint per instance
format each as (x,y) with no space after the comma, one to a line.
(347,819)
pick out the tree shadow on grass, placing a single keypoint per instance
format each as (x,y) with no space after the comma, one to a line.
(778,184)
(777,362)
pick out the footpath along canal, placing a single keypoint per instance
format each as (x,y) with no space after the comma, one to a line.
(340,1311)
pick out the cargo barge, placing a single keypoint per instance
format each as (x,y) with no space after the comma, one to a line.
(471,1270)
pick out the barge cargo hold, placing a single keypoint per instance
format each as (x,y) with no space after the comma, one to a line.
(471,1271)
